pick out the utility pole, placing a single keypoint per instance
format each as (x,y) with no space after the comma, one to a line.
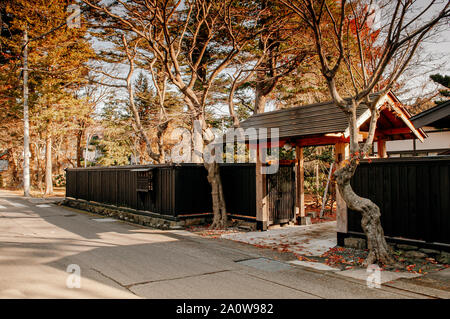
(26,123)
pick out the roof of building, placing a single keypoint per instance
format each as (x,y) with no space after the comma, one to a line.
(327,118)
(438,116)
(318,118)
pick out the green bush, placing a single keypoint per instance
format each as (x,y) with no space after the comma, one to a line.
(60,180)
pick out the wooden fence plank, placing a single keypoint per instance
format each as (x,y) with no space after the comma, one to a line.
(413,195)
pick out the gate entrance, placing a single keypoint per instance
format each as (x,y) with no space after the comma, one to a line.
(280,190)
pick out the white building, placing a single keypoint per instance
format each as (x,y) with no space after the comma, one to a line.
(436,124)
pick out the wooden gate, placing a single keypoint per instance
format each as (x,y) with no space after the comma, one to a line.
(281,194)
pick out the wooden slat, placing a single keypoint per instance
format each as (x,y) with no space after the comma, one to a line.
(413,196)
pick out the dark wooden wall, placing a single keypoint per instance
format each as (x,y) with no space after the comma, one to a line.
(412,193)
(178,189)
(239,187)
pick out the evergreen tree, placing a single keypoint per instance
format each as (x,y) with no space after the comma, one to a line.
(57,73)
(443,80)
(118,141)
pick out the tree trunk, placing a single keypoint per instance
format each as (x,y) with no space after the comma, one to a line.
(219,208)
(218,201)
(48,166)
(197,140)
(160,140)
(26,121)
(14,168)
(79,147)
(379,251)
(260,100)
(38,169)
(33,165)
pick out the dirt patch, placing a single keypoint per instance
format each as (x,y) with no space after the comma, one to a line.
(348,258)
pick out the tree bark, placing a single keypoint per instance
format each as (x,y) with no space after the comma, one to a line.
(26,121)
(379,251)
(160,140)
(79,147)
(48,166)
(260,101)
(38,169)
(219,208)
(197,140)
(203,136)
(14,168)
(33,165)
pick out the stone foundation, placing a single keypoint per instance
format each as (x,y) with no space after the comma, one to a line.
(134,216)
(149,219)
(356,243)
(409,251)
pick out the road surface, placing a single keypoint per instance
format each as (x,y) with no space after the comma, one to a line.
(39,241)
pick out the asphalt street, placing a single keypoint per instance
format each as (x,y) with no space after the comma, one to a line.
(43,245)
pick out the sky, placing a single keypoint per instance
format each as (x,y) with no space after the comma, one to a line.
(437,48)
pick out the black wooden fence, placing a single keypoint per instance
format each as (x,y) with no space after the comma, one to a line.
(178,190)
(413,195)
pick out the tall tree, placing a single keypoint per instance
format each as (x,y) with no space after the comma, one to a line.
(443,80)
(281,47)
(395,43)
(127,50)
(56,59)
(194,41)
(118,140)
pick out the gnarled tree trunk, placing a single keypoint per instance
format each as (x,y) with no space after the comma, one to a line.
(161,129)
(203,136)
(370,222)
(218,201)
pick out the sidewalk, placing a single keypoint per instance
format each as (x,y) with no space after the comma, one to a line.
(34,200)
(306,240)
(315,247)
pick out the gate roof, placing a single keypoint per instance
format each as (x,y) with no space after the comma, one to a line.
(320,119)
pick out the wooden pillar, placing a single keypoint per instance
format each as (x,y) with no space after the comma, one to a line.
(262,214)
(381,148)
(300,187)
(341,152)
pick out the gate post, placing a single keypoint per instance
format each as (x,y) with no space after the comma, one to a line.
(300,188)
(381,148)
(262,216)
(341,153)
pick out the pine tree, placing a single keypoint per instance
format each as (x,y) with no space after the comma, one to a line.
(57,57)
(443,80)
(118,139)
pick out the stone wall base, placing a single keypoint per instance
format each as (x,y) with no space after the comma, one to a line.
(135,216)
(150,219)
(414,248)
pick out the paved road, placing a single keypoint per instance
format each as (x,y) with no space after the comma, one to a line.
(119,260)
